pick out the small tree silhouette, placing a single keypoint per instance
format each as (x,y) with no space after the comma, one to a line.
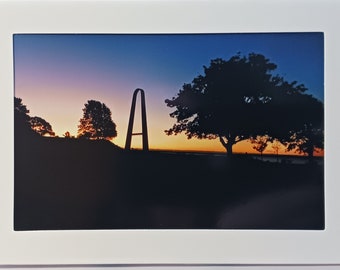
(67,135)
(96,122)
(41,126)
(276,145)
(260,143)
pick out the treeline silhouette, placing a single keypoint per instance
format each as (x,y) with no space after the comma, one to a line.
(96,122)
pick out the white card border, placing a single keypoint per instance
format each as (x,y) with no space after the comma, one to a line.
(170,246)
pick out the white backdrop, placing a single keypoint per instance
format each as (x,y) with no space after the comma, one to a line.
(172,246)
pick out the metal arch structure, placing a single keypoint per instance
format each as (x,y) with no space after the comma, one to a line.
(144,132)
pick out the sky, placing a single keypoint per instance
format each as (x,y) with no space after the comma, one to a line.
(55,75)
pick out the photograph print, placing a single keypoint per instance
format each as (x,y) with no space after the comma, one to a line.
(169,131)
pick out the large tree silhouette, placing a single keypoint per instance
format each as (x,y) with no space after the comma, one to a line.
(96,122)
(235,100)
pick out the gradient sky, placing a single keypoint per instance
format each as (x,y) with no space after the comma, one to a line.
(55,75)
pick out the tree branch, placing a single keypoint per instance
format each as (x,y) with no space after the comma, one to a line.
(223,142)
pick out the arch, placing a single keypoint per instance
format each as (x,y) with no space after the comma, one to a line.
(144,132)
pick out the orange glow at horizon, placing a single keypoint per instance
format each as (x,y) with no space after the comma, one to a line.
(181,143)
(158,120)
(66,113)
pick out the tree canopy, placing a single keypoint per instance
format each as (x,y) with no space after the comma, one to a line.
(41,126)
(26,124)
(307,136)
(240,99)
(96,122)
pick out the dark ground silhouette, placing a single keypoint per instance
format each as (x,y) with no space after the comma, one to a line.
(81,184)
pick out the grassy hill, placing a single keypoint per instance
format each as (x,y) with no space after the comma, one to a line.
(81,184)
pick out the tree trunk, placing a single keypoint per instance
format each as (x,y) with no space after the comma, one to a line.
(310,153)
(228,145)
(229,149)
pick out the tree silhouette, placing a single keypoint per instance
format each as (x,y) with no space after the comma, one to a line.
(307,141)
(260,143)
(96,122)
(25,124)
(276,145)
(22,127)
(234,101)
(41,126)
(21,112)
(302,129)
(67,135)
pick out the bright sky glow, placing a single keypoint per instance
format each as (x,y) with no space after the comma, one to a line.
(55,75)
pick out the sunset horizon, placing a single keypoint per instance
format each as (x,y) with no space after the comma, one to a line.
(55,75)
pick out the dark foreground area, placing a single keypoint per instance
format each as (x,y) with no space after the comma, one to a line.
(80,184)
